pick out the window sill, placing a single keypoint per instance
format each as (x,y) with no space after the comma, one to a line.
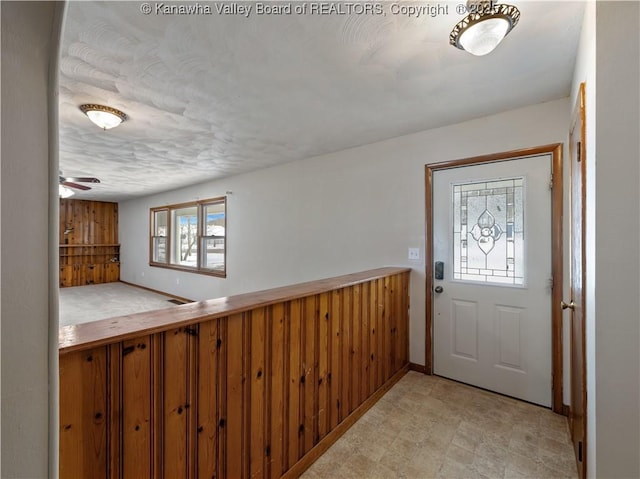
(186,269)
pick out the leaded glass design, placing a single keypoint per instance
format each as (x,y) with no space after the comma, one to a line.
(488,231)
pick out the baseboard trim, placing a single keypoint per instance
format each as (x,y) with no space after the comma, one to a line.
(566,410)
(312,456)
(163,293)
(418,368)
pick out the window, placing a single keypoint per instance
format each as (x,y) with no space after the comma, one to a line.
(488,231)
(190,237)
(159,237)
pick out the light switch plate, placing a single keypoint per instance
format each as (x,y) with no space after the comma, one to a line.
(414,254)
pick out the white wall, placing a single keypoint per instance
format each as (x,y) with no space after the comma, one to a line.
(27,49)
(344,212)
(617,241)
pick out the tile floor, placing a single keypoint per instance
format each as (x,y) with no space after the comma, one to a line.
(427,426)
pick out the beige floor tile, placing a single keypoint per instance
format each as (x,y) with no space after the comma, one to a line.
(311,474)
(357,467)
(440,437)
(492,451)
(522,465)
(427,427)
(546,472)
(396,464)
(451,469)
(468,436)
(425,462)
(556,446)
(556,460)
(416,432)
(382,472)
(484,466)
(524,447)
(459,455)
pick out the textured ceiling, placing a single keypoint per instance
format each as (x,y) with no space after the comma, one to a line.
(210,96)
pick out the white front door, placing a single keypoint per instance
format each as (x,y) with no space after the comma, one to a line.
(492,309)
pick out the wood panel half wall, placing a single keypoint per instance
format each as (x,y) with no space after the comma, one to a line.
(250,386)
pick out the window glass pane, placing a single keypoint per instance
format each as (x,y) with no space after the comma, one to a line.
(488,231)
(213,253)
(215,219)
(185,236)
(214,236)
(160,223)
(159,249)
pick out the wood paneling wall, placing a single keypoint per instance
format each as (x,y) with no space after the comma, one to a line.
(89,249)
(255,393)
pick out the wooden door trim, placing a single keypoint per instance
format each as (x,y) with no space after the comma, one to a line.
(579,115)
(555,150)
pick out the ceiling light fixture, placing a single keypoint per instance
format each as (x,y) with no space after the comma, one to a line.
(103,116)
(483,29)
(64,192)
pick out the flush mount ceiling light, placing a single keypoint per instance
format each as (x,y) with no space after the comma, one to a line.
(103,116)
(483,29)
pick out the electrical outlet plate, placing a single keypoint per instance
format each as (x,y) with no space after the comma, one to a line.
(414,254)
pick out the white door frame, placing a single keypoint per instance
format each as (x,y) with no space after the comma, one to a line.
(556,253)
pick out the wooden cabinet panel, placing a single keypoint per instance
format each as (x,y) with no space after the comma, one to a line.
(66,275)
(112,272)
(82,265)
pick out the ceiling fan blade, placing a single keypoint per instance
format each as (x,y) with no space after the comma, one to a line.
(83,179)
(75,185)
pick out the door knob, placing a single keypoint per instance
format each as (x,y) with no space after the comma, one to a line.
(571,305)
(438,289)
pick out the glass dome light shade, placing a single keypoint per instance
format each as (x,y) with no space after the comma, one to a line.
(104,119)
(64,192)
(483,37)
